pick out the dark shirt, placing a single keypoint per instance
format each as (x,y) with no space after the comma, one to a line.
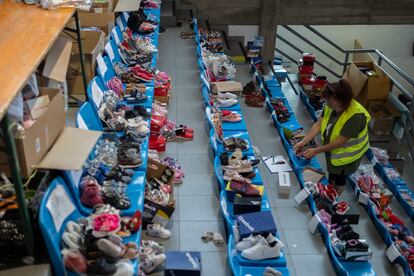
(350,129)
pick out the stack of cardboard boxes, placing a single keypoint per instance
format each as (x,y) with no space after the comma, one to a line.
(371,87)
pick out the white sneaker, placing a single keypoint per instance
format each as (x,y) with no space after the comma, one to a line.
(157,231)
(264,249)
(150,262)
(227,102)
(226,95)
(248,242)
(154,246)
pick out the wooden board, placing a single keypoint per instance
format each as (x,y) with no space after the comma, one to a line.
(26,35)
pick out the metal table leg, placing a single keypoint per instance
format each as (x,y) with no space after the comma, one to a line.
(8,138)
(82,60)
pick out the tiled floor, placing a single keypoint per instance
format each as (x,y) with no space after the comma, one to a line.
(197,198)
(198,195)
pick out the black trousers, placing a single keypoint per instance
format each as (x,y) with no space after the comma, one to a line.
(337,179)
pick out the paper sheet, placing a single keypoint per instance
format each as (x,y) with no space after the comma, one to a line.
(97,94)
(59,206)
(276,164)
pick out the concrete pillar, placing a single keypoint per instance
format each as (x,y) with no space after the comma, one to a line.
(269,15)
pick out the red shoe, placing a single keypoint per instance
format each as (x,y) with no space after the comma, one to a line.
(244,188)
(157,123)
(342,207)
(157,142)
(225,112)
(184,134)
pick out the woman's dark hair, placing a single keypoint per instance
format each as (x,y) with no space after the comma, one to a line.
(340,91)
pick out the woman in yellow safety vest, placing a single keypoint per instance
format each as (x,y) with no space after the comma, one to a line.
(343,126)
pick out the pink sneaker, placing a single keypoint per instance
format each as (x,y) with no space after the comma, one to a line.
(105,224)
(178,172)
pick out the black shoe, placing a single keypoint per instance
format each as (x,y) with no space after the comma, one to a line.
(356,245)
(224,159)
(162,30)
(142,111)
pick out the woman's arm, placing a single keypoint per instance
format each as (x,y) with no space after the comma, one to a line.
(315,130)
(337,143)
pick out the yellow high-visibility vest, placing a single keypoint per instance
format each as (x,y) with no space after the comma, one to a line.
(355,148)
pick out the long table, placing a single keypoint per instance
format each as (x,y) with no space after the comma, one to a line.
(26,35)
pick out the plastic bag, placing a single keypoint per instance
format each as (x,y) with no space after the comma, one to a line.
(54,4)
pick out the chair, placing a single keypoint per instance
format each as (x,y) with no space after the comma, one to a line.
(56,196)
(87,118)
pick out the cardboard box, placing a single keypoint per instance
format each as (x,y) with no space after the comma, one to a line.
(183,263)
(227,86)
(367,88)
(48,144)
(102,6)
(259,223)
(93,44)
(243,205)
(104,21)
(382,114)
(154,212)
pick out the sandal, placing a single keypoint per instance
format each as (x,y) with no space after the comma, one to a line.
(207,236)
(232,118)
(218,239)
(232,143)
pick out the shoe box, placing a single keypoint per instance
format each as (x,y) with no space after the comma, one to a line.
(231,194)
(352,216)
(157,123)
(154,212)
(258,223)
(183,263)
(243,205)
(233,87)
(358,256)
(45,144)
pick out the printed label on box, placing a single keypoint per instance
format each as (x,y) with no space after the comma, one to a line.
(392,253)
(313,223)
(363,198)
(37,145)
(302,196)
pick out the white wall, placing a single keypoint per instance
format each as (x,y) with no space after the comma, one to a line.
(248,31)
(396,42)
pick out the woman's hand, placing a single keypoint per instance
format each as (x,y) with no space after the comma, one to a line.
(299,147)
(311,152)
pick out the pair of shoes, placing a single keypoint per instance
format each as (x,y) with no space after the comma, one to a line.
(129,155)
(151,256)
(157,231)
(215,237)
(254,100)
(259,247)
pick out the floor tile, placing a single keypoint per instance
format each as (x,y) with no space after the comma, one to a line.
(313,265)
(382,266)
(200,208)
(199,145)
(294,217)
(195,163)
(281,201)
(303,242)
(172,243)
(215,263)
(192,231)
(198,184)
(190,112)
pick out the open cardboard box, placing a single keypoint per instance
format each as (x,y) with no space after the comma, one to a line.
(227,86)
(93,43)
(382,114)
(154,212)
(367,88)
(49,144)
